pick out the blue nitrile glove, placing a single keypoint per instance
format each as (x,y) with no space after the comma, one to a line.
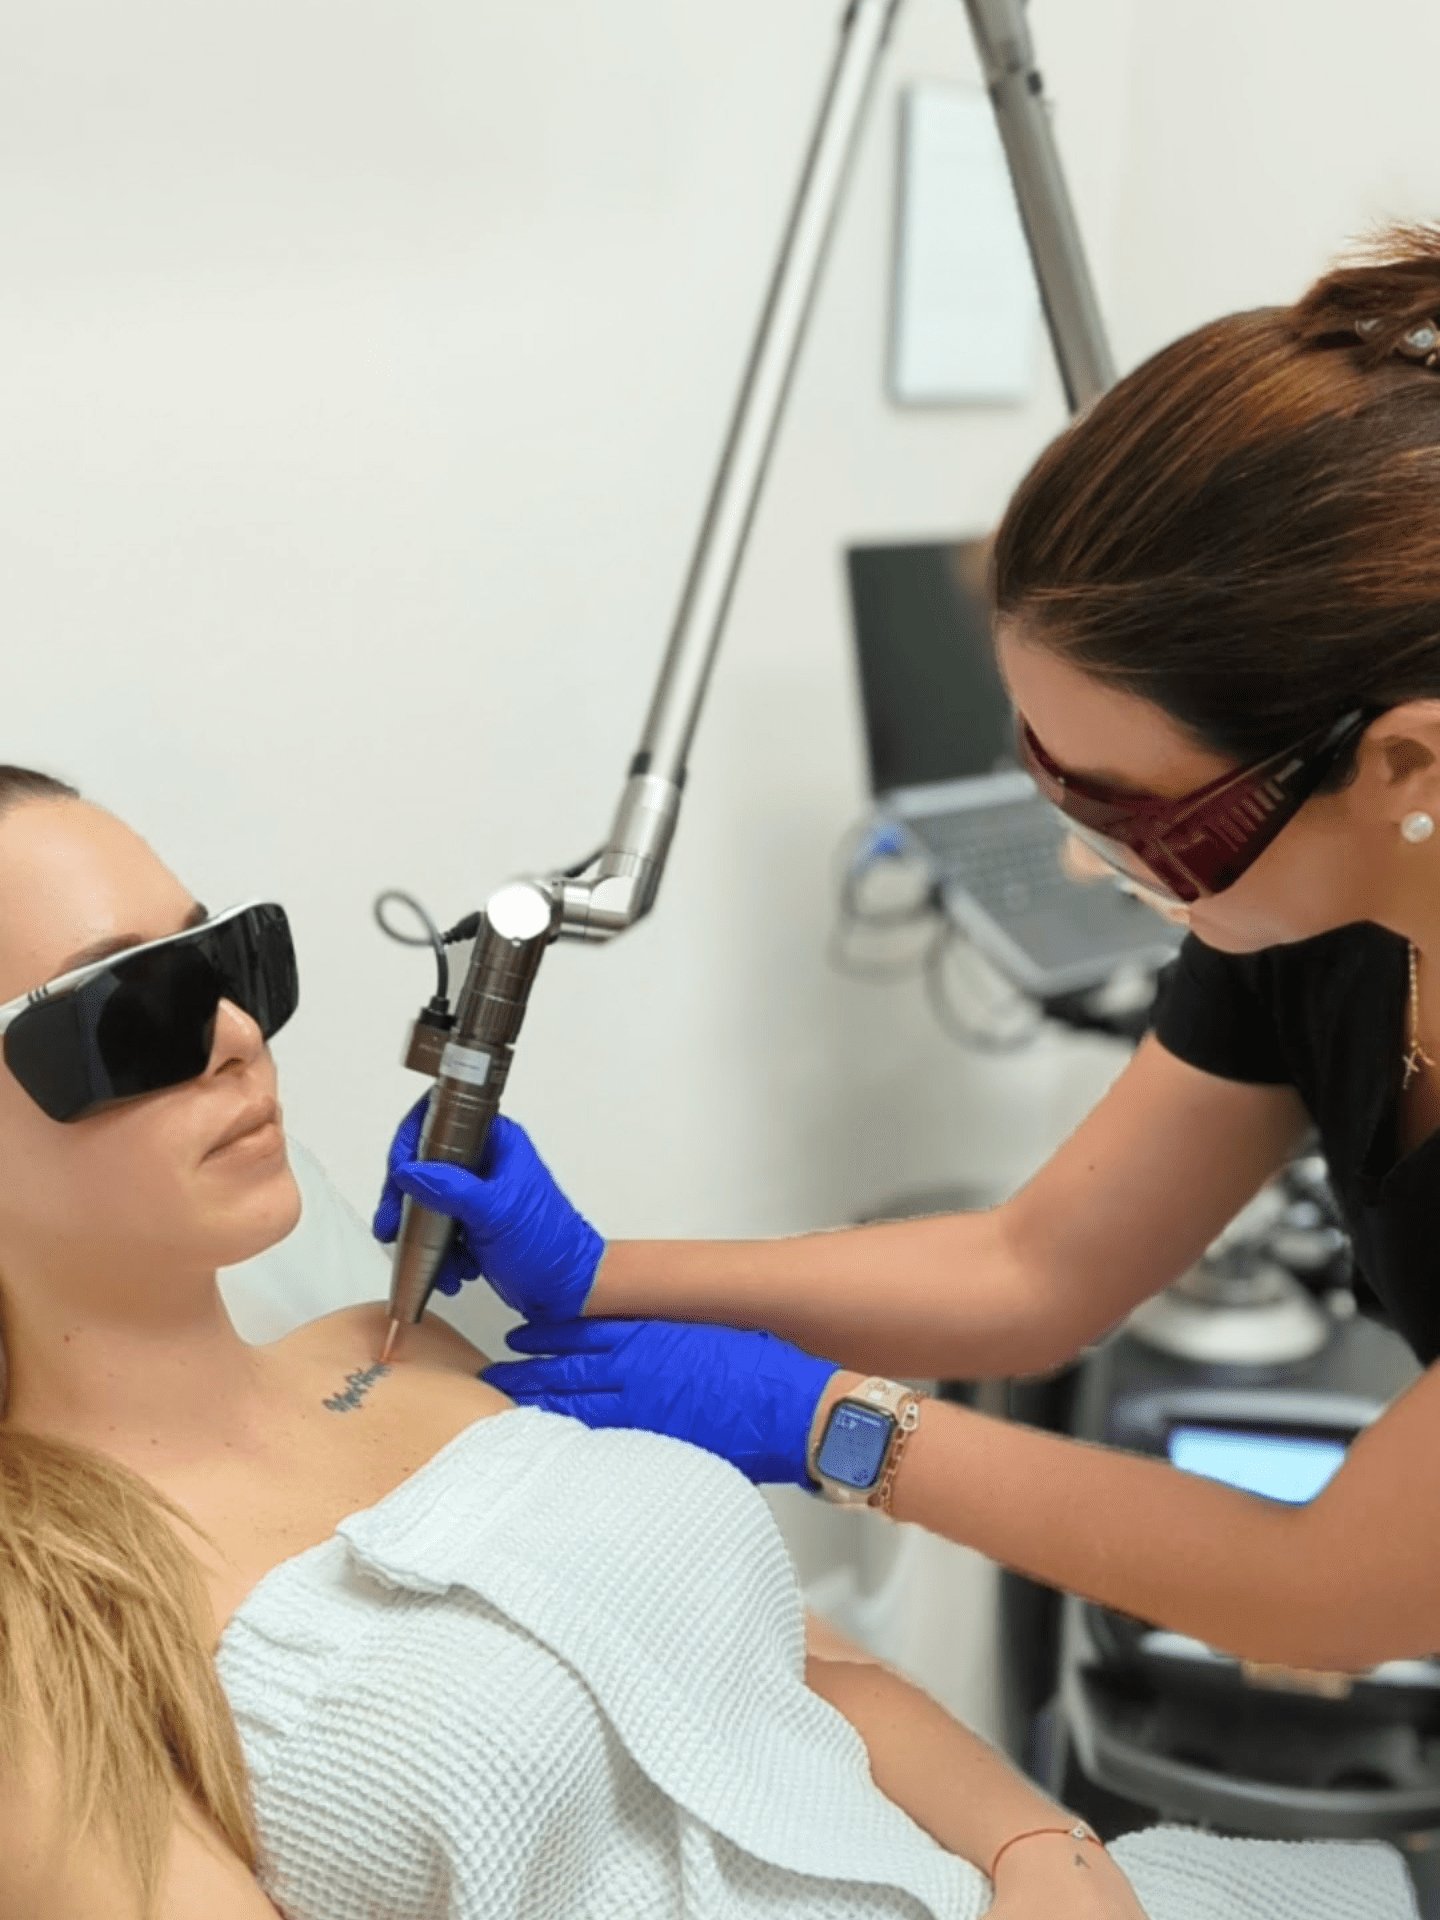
(516,1226)
(746,1396)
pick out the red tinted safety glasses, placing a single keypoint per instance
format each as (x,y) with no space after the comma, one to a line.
(1201,843)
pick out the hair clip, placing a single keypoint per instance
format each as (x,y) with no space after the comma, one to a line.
(1421,343)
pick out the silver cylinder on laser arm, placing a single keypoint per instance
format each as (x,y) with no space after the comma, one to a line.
(471,1063)
(1072,312)
(619,888)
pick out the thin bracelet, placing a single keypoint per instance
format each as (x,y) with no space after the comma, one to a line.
(907,1421)
(1077,1832)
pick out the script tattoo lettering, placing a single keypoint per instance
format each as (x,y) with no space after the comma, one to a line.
(357,1385)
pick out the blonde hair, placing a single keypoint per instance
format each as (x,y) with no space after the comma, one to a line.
(103,1656)
(104,1633)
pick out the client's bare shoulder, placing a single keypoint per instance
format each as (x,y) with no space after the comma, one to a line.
(52,1873)
(360,1332)
(340,1432)
(428,1391)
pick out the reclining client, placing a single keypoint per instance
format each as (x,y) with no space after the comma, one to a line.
(283,1631)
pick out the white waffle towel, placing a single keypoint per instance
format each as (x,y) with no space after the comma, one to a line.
(558,1675)
(1194,1876)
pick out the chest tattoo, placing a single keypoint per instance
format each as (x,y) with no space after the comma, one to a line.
(357,1385)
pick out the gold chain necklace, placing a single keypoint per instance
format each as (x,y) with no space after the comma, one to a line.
(1417,1056)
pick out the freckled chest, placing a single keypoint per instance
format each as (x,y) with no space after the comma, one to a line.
(257,1512)
(355,1435)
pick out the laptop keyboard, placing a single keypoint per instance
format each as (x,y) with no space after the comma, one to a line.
(1008,857)
(1007,860)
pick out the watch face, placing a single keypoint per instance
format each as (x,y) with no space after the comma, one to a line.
(853,1448)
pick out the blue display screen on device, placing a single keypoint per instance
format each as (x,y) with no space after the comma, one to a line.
(853,1448)
(1281,1466)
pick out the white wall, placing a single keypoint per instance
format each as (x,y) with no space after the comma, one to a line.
(363,367)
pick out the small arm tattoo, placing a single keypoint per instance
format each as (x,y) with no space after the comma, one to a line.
(357,1385)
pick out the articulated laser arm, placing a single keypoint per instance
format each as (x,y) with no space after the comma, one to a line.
(470,1055)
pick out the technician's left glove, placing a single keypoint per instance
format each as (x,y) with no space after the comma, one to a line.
(746,1396)
(538,1252)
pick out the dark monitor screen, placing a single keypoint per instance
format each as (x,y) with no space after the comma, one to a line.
(935,708)
(854,1445)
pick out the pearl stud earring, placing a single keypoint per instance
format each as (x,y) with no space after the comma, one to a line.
(1416,827)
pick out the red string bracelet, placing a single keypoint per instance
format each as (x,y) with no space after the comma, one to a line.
(1078,1832)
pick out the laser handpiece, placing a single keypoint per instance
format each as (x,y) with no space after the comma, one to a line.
(470,1059)
(470,1055)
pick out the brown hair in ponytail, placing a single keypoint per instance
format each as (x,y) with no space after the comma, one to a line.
(1246,530)
(105,1666)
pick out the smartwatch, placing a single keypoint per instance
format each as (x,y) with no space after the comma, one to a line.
(854,1459)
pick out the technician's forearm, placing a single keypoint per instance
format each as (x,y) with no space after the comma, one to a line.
(1260,1580)
(930,1298)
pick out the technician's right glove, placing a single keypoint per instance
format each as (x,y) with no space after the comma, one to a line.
(517,1229)
(747,1396)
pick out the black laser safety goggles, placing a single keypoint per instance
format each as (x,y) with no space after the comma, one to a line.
(144,1019)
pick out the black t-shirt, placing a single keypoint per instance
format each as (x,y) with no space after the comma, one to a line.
(1329,1017)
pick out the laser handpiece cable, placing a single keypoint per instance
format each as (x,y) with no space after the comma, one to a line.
(469,1053)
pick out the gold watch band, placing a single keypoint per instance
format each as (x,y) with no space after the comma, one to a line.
(908,1420)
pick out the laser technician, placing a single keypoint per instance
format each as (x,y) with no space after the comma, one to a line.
(1217,601)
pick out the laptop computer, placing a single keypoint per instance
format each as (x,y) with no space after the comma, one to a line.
(940,734)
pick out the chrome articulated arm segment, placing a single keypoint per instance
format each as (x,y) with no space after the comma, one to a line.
(1077,332)
(619,886)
